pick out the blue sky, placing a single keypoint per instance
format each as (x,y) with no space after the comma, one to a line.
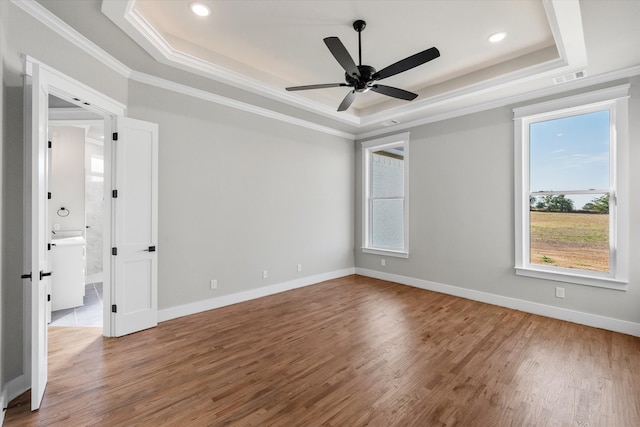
(571,153)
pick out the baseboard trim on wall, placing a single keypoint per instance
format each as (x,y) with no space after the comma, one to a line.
(210,304)
(10,391)
(574,316)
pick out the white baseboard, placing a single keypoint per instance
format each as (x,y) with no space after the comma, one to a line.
(574,316)
(210,304)
(10,391)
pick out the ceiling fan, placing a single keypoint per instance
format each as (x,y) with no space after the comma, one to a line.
(363,78)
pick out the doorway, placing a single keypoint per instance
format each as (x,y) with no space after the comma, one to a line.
(130,264)
(76,215)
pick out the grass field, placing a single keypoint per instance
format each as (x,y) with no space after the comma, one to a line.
(571,240)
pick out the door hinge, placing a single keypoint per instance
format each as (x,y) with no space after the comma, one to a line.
(115,136)
(114,308)
(49,195)
(48,246)
(114,251)
(114,194)
(49,145)
(48,297)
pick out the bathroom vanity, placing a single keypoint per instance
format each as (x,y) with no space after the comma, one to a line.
(67,280)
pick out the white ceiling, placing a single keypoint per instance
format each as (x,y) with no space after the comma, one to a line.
(280,42)
(266,45)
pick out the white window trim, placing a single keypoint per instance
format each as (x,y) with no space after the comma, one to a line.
(367,148)
(615,98)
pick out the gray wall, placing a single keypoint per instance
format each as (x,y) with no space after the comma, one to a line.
(240,194)
(12,240)
(468,161)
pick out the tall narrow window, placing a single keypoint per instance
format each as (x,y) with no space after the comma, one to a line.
(385,203)
(97,168)
(571,220)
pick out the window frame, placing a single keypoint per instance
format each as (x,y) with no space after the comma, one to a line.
(614,99)
(369,147)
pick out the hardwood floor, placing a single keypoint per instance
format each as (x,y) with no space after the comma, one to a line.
(348,352)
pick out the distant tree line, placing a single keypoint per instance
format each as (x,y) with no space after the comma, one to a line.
(560,203)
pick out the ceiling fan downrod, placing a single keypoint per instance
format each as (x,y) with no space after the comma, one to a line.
(359,25)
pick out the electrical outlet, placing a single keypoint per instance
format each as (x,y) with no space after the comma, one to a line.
(559,292)
(299,268)
(213,284)
(265,273)
(383,262)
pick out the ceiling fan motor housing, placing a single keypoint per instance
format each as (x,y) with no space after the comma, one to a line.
(361,83)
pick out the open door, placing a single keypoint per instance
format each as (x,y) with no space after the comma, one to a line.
(36,233)
(135,207)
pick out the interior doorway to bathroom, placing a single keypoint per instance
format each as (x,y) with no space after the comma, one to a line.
(76,214)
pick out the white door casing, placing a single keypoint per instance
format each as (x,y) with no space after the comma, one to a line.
(40,81)
(135,227)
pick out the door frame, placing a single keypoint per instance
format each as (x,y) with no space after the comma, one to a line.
(71,90)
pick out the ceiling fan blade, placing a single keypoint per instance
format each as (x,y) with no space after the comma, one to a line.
(394,92)
(347,101)
(321,86)
(407,63)
(341,54)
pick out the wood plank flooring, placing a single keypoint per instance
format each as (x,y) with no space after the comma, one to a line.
(348,352)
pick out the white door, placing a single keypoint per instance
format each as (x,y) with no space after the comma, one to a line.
(135,207)
(37,237)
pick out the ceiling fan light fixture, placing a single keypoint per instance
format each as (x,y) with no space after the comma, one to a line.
(200,9)
(497,37)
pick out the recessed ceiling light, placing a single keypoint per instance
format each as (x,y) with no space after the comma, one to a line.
(200,9)
(495,38)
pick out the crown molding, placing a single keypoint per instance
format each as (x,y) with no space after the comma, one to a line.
(511,100)
(42,14)
(243,106)
(127,18)
(562,17)
(564,20)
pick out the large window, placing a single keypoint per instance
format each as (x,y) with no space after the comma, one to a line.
(571,195)
(385,168)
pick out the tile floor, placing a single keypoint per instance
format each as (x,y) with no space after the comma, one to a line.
(90,314)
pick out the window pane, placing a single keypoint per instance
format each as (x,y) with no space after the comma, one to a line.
(387,224)
(97,164)
(387,173)
(570,153)
(570,238)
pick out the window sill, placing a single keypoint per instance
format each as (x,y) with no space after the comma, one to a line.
(386,252)
(559,276)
